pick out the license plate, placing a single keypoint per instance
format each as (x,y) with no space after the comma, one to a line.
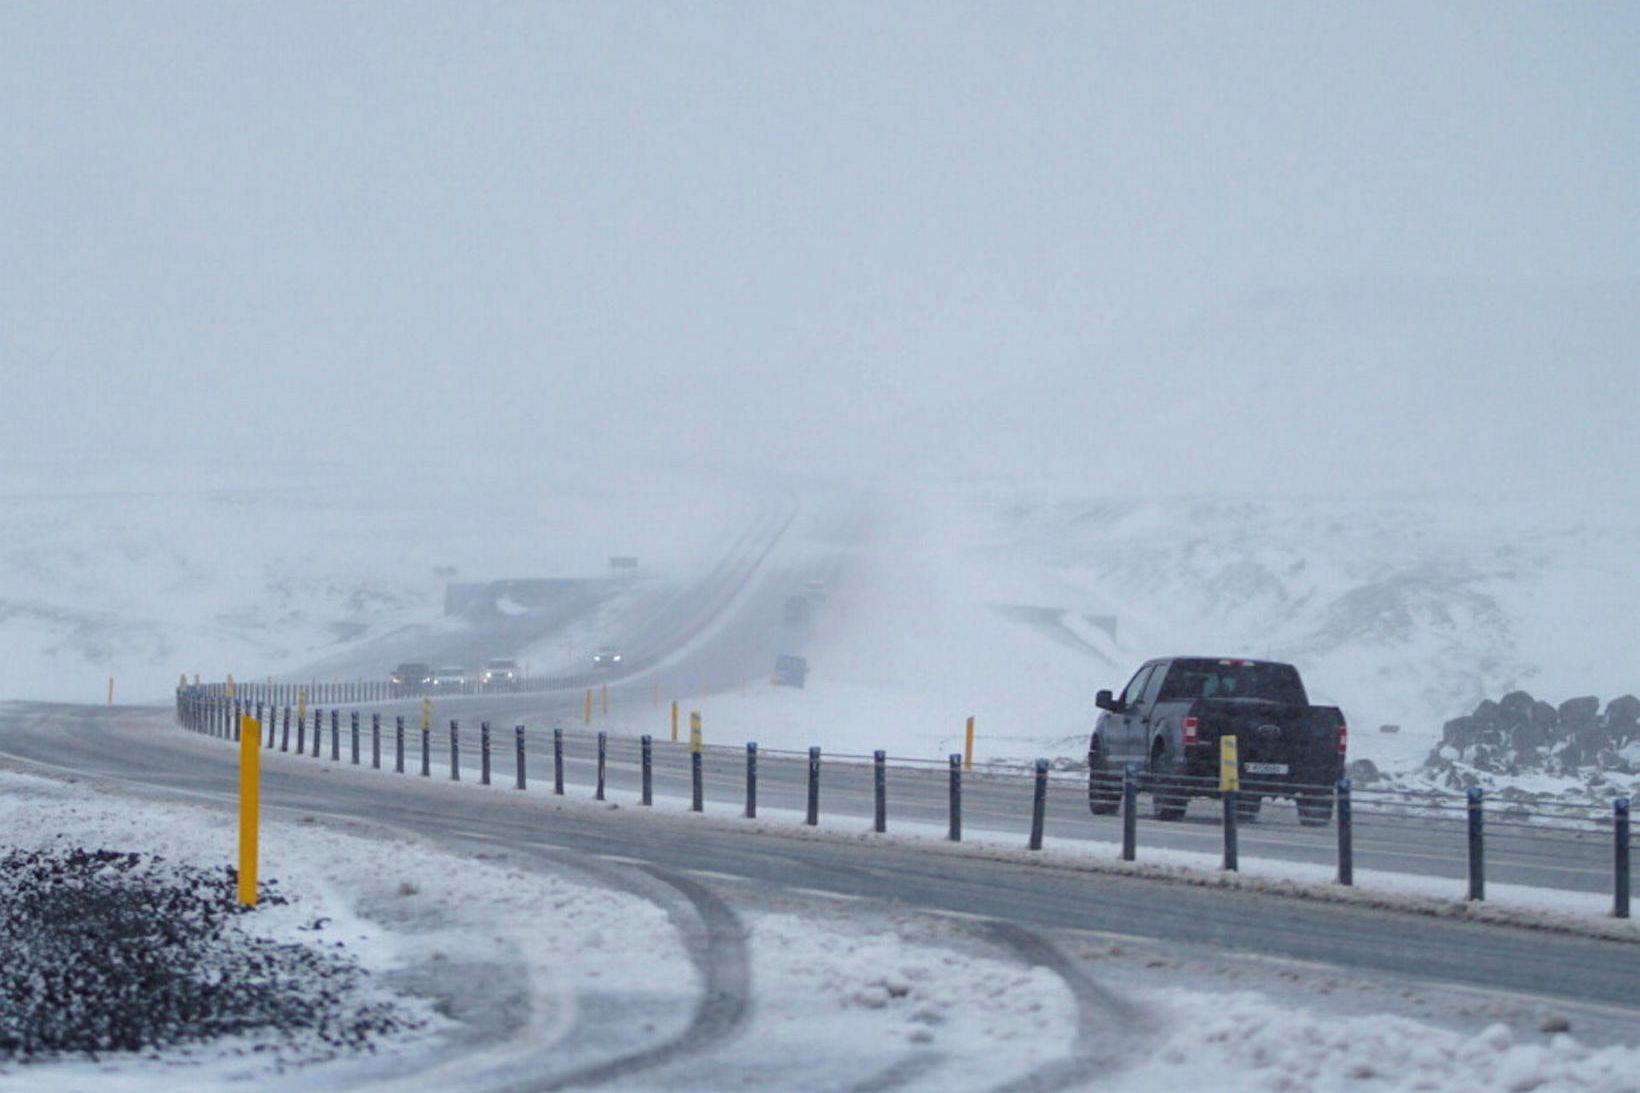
(1266,768)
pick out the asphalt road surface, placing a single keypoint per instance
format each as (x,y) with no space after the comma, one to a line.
(143,747)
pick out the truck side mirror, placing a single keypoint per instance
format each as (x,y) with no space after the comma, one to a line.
(1105,701)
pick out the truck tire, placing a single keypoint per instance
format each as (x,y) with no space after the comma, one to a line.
(1104,784)
(1315,808)
(1168,800)
(1104,788)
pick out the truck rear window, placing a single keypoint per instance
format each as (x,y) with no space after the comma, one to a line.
(1187,679)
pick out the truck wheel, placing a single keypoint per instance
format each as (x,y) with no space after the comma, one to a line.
(1167,800)
(1247,806)
(1104,787)
(1315,808)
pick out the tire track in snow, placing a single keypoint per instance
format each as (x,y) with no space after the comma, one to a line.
(1105,1022)
(717,942)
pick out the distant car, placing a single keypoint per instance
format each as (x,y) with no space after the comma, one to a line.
(607,658)
(501,674)
(790,671)
(412,676)
(449,678)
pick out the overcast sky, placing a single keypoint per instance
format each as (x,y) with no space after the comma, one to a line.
(1291,247)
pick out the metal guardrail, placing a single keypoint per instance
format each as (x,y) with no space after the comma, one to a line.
(724,773)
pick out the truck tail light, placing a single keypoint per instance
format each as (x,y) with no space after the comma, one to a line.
(1192,732)
(1343,738)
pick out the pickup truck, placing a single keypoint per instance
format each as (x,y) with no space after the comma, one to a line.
(1168,720)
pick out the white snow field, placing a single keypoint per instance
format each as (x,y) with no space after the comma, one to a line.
(1015,611)
(125,571)
(943,602)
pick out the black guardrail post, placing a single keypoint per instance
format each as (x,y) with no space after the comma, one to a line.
(336,735)
(376,741)
(603,752)
(238,719)
(318,730)
(284,733)
(1039,804)
(455,750)
(558,761)
(1231,858)
(398,744)
(697,799)
(1620,850)
(426,750)
(955,831)
(518,754)
(483,753)
(1130,812)
(646,745)
(751,780)
(353,736)
(1346,835)
(259,723)
(301,735)
(813,817)
(1477,849)
(879,785)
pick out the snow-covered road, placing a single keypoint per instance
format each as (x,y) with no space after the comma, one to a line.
(551,965)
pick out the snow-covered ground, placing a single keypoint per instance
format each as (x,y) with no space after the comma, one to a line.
(127,571)
(1015,610)
(847,989)
(1011,606)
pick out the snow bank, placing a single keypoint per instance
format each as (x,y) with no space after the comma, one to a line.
(1242,1041)
(402,912)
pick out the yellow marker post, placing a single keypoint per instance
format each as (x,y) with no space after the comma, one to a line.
(301,703)
(426,715)
(674,721)
(968,747)
(694,732)
(1229,766)
(586,709)
(230,687)
(250,740)
(604,698)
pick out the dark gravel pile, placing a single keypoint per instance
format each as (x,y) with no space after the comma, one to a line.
(104,952)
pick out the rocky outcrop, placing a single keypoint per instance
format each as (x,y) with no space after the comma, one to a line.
(1519,734)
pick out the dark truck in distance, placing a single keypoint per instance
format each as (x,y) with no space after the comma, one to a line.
(1168,721)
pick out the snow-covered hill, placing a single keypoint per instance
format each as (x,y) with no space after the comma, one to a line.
(1403,611)
(132,572)
(1010,605)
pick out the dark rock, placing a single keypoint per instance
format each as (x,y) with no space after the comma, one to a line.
(1460,732)
(1515,707)
(1623,719)
(1362,772)
(1579,711)
(1488,711)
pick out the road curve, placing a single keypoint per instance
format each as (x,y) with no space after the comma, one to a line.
(144,748)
